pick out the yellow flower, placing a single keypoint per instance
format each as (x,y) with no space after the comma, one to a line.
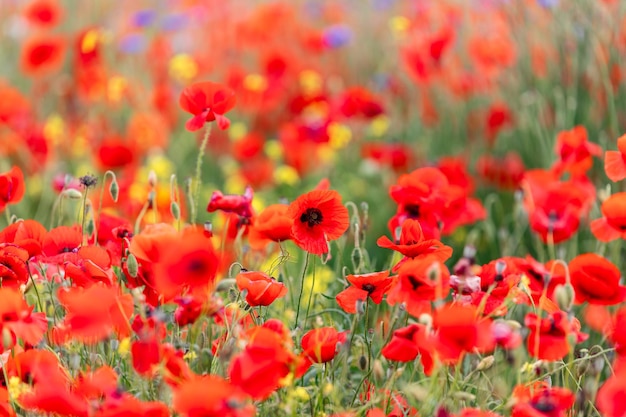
(285,174)
(237,131)
(399,25)
(90,41)
(339,135)
(54,129)
(115,88)
(379,126)
(255,82)
(183,68)
(310,82)
(124,346)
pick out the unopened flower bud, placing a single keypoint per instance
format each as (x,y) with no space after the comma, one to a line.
(175,210)
(72,194)
(152,179)
(114,190)
(564,295)
(485,363)
(132,265)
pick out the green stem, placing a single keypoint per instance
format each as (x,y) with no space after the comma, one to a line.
(306,264)
(198,175)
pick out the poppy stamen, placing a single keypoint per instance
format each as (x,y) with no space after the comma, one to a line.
(312,217)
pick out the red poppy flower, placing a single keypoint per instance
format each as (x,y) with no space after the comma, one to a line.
(548,337)
(11,187)
(318,217)
(61,240)
(373,285)
(190,265)
(596,280)
(459,330)
(555,207)
(615,161)
(42,54)
(18,320)
(359,101)
(320,345)
(207,101)
(498,118)
(419,282)
(414,244)
(475,412)
(547,402)
(13,270)
(258,370)
(272,225)
(91,322)
(407,343)
(27,234)
(238,204)
(609,400)
(261,289)
(45,13)
(506,173)
(575,151)
(210,396)
(612,224)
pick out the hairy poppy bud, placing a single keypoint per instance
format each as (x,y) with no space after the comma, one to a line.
(132,265)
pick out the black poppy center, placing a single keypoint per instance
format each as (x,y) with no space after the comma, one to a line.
(369,288)
(312,217)
(196,266)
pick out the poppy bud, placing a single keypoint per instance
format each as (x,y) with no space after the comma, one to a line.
(132,265)
(152,179)
(90,227)
(416,391)
(72,194)
(485,363)
(564,296)
(175,210)
(8,339)
(377,370)
(114,190)
(363,362)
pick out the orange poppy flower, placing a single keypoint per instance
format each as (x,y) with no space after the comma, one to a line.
(615,161)
(207,101)
(190,264)
(612,224)
(373,285)
(42,54)
(11,187)
(45,13)
(261,289)
(596,280)
(318,217)
(210,396)
(407,343)
(272,225)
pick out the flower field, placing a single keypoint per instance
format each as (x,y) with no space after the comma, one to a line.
(325,208)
